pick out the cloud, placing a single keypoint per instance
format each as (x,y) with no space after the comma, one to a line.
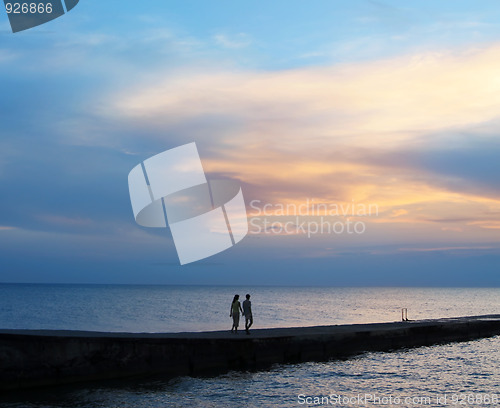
(487,224)
(376,132)
(415,135)
(457,249)
(391,101)
(6,56)
(304,133)
(240,40)
(398,212)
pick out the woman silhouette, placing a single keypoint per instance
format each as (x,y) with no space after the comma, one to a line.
(235,313)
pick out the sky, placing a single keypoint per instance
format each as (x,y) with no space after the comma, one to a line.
(326,105)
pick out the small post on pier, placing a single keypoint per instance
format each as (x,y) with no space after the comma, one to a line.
(404,314)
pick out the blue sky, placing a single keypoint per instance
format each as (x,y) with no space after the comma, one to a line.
(394,103)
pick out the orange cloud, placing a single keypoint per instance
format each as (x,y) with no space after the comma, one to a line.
(309,132)
(385,102)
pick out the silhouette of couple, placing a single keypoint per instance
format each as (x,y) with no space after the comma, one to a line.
(246,311)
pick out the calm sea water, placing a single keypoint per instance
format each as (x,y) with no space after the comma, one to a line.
(459,374)
(199,308)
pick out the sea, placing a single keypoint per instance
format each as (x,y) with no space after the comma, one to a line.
(456,374)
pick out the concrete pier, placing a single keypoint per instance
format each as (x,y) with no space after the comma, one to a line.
(30,358)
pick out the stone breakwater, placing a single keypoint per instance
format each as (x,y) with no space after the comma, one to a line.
(31,358)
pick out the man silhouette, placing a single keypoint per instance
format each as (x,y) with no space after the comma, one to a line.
(247,311)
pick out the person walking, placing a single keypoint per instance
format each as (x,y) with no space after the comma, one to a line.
(247,312)
(235,313)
